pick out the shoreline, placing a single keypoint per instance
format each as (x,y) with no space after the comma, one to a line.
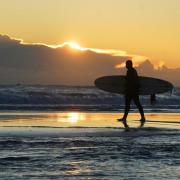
(81,119)
(77,132)
(67,108)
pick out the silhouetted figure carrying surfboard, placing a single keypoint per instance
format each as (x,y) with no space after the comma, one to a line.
(132,93)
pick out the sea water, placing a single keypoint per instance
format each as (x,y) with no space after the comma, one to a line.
(59,132)
(38,97)
(72,153)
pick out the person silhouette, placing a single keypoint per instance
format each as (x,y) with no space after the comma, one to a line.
(132,93)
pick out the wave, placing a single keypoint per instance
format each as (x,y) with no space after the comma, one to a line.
(38,97)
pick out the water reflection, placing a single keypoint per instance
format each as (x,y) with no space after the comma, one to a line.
(77,168)
(71,117)
(86,119)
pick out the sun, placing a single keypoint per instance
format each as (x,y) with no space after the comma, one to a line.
(74,45)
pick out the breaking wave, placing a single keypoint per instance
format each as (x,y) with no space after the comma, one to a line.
(38,97)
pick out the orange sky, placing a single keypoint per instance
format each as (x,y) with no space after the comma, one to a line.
(147,28)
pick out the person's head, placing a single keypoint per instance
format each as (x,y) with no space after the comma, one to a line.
(129,64)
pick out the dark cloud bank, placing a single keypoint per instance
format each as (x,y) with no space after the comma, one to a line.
(40,64)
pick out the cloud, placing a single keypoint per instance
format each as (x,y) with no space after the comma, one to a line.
(21,62)
(163,72)
(38,63)
(6,42)
(146,68)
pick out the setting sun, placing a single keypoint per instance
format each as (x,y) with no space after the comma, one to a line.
(74,45)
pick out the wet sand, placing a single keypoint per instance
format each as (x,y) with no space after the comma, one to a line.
(54,123)
(83,145)
(85,119)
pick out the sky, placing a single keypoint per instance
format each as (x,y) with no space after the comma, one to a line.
(141,29)
(145,27)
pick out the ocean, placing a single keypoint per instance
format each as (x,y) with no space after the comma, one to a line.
(87,153)
(38,97)
(63,132)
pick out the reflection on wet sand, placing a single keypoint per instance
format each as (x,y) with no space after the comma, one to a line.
(71,117)
(86,119)
(77,167)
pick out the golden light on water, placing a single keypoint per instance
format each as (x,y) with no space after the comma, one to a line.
(70,117)
(73,117)
(86,119)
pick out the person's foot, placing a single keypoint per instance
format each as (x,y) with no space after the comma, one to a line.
(121,120)
(142,121)
(124,122)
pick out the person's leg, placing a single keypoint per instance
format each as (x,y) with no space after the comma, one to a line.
(139,106)
(126,111)
(127,106)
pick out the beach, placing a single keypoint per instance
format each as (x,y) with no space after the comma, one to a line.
(72,132)
(72,72)
(88,145)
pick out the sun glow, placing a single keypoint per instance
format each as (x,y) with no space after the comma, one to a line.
(74,45)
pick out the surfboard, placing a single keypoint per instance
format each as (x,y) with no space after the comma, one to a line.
(148,85)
